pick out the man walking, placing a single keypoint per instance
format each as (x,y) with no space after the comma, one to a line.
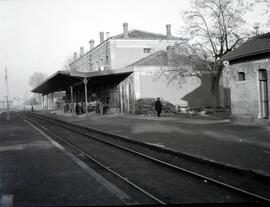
(158,106)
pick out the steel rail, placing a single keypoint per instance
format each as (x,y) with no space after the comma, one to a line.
(160,161)
(99,163)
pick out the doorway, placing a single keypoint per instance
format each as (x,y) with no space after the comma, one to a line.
(263,88)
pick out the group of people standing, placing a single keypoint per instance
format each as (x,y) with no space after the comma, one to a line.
(80,108)
(99,107)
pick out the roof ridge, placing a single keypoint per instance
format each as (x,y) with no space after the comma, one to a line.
(150,32)
(263,35)
(120,34)
(154,33)
(258,36)
(255,45)
(143,31)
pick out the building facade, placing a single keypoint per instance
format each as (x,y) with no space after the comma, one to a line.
(121,50)
(112,55)
(125,69)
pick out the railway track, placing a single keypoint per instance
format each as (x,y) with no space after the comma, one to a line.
(160,176)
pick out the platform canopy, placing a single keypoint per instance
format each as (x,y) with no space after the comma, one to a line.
(103,73)
(63,80)
(59,81)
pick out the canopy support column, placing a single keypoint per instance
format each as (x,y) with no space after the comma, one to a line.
(47,102)
(72,101)
(52,101)
(35,102)
(43,102)
(85,81)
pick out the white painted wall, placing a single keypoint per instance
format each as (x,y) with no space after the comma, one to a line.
(148,84)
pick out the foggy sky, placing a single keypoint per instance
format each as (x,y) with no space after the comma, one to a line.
(38,35)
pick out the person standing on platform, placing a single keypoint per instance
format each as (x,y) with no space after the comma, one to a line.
(82,108)
(101,106)
(97,106)
(77,109)
(158,106)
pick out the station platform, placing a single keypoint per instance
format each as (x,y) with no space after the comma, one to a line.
(36,171)
(212,138)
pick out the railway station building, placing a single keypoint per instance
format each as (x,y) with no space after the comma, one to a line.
(248,67)
(126,68)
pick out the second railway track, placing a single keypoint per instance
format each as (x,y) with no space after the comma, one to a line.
(158,175)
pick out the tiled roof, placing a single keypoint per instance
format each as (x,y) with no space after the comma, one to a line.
(158,58)
(256,45)
(142,35)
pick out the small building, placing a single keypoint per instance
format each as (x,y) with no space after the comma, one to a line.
(248,67)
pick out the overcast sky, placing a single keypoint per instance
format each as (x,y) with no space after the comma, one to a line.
(38,35)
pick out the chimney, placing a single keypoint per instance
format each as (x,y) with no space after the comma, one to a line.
(74,56)
(92,44)
(125,28)
(101,37)
(81,51)
(168,30)
(107,35)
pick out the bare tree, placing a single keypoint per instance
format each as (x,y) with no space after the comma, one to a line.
(266,5)
(182,61)
(214,28)
(66,65)
(36,79)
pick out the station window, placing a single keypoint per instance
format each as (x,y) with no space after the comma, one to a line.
(241,76)
(262,75)
(101,64)
(97,66)
(147,50)
(91,66)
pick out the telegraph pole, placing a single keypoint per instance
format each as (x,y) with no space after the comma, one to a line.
(6,78)
(256,27)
